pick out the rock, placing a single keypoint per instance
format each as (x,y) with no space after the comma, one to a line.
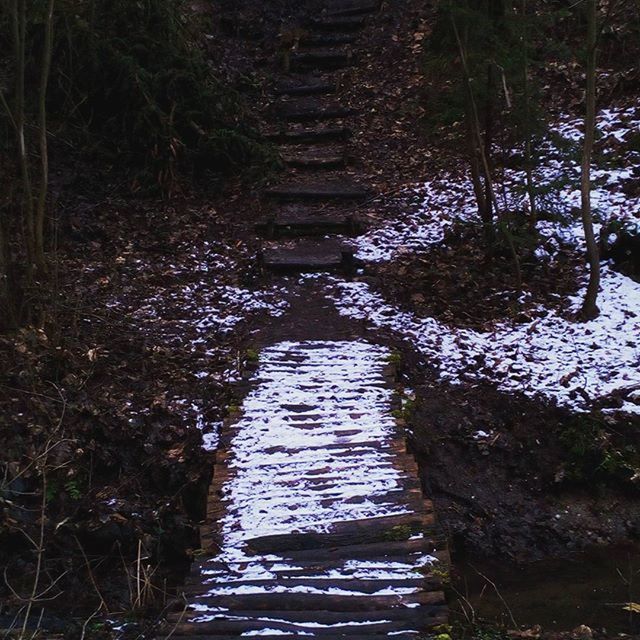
(620,243)
(533,632)
(582,633)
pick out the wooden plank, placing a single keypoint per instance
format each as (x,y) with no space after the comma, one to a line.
(330,190)
(308,226)
(198,584)
(351,636)
(372,550)
(354,9)
(291,601)
(386,528)
(305,87)
(310,40)
(308,111)
(419,618)
(314,160)
(339,23)
(319,566)
(292,259)
(317,135)
(321,59)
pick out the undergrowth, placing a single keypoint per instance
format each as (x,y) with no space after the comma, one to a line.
(132,82)
(593,453)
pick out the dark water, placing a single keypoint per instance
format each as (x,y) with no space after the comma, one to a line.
(589,588)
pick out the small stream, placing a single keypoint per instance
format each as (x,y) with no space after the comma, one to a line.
(588,588)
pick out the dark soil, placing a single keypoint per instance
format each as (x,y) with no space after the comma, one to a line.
(469,282)
(520,491)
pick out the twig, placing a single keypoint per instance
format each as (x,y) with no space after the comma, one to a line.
(504,602)
(92,578)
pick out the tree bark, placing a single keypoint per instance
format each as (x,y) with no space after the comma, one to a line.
(533,209)
(19,34)
(589,307)
(44,151)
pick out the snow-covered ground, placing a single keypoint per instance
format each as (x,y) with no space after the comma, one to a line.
(570,362)
(198,295)
(447,198)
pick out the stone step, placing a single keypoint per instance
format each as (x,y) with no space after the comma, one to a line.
(316,135)
(354,8)
(320,59)
(304,87)
(311,110)
(338,23)
(310,191)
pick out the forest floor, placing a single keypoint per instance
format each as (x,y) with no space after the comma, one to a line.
(526,422)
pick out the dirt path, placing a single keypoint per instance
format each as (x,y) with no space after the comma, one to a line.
(316,519)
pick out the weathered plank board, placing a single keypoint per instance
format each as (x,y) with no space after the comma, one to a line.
(329,190)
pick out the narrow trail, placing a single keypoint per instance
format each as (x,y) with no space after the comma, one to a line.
(317,525)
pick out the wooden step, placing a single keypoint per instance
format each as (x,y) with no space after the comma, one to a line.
(315,160)
(338,23)
(317,569)
(304,87)
(371,550)
(301,259)
(308,225)
(218,507)
(197,584)
(290,601)
(326,40)
(336,621)
(309,191)
(316,135)
(311,110)
(351,636)
(321,59)
(387,528)
(354,8)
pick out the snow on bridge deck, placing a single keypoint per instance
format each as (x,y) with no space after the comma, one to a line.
(317,524)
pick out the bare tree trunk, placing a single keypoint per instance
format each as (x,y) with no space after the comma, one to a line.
(528,156)
(7,298)
(479,145)
(19,34)
(476,173)
(483,197)
(488,128)
(590,308)
(44,151)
